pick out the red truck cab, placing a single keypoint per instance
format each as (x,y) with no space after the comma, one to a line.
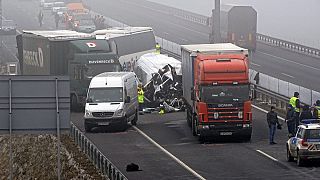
(218,100)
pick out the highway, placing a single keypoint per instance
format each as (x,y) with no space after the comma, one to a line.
(280,63)
(181,156)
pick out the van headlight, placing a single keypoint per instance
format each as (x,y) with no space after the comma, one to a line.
(118,113)
(88,113)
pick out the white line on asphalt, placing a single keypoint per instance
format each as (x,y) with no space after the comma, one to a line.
(184,40)
(287,75)
(169,154)
(255,64)
(267,155)
(165,33)
(289,61)
(265,111)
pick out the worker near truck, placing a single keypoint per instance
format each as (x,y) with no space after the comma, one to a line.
(295,103)
(140,98)
(290,120)
(158,48)
(316,110)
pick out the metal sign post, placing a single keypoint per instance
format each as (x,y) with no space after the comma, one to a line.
(10,127)
(58,131)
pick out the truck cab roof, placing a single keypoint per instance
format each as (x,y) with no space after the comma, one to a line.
(117,31)
(59,34)
(220,48)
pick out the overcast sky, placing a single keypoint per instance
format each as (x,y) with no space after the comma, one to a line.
(293,20)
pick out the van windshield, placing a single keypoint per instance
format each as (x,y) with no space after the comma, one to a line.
(103,95)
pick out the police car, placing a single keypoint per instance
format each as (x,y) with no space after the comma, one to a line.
(305,144)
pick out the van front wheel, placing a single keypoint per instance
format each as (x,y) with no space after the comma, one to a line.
(134,121)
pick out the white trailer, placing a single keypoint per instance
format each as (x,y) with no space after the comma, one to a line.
(132,43)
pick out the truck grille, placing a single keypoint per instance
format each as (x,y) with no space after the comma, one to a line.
(102,114)
(229,113)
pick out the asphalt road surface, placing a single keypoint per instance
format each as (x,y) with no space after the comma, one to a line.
(280,63)
(220,159)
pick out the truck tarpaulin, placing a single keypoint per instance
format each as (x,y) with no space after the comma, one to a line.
(161,76)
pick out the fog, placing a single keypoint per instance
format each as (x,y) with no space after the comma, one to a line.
(293,20)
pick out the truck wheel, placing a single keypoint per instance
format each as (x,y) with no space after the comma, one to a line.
(134,121)
(124,125)
(194,126)
(300,162)
(289,156)
(74,103)
(189,118)
(247,138)
(87,127)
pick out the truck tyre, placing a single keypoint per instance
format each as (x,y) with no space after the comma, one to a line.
(87,127)
(289,156)
(74,103)
(134,121)
(247,138)
(194,126)
(189,118)
(300,161)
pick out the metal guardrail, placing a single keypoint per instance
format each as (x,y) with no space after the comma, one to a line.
(288,45)
(94,154)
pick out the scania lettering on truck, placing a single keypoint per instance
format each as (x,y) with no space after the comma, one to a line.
(112,101)
(216,90)
(69,53)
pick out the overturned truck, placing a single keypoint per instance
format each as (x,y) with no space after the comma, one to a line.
(161,78)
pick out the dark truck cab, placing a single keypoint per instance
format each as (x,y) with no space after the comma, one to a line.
(78,55)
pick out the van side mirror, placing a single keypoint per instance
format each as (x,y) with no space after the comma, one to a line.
(89,100)
(128,99)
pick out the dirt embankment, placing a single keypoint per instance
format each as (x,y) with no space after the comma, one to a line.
(35,157)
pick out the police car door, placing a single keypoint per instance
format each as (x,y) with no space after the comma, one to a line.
(295,140)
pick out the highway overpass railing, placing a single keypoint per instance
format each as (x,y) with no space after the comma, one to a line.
(206,21)
(266,82)
(99,160)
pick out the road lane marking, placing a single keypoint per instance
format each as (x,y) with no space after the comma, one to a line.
(267,155)
(288,60)
(169,154)
(265,111)
(255,64)
(287,75)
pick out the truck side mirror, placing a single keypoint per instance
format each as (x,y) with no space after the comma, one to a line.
(192,94)
(128,99)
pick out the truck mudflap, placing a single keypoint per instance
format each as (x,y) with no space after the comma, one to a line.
(230,129)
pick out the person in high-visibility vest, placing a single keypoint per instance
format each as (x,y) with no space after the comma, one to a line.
(140,98)
(316,111)
(295,103)
(158,48)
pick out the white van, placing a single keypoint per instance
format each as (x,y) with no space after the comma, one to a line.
(112,100)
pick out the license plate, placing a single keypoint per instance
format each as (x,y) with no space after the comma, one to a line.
(225,133)
(103,123)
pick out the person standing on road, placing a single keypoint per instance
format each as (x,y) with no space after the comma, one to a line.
(57,19)
(272,119)
(290,120)
(40,18)
(295,103)
(158,48)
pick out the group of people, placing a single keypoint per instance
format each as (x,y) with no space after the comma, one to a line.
(99,22)
(296,112)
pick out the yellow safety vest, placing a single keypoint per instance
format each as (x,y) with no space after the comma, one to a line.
(293,102)
(158,49)
(141,96)
(318,110)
